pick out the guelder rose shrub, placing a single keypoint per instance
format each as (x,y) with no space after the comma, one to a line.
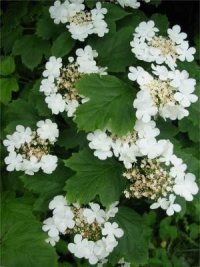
(122,89)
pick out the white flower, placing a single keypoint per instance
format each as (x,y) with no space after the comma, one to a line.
(167,205)
(146,130)
(48,86)
(63,219)
(112,229)
(173,111)
(101,143)
(160,71)
(71,107)
(176,35)
(184,96)
(172,207)
(128,154)
(13,141)
(47,130)
(94,213)
(55,103)
(31,166)
(150,147)
(48,163)
(25,134)
(185,52)
(100,250)
(59,12)
(80,32)
(146,30)
(14,161)
(79,247)
(53,67)
(52,240)
(186,186)
(144,105)
(110,242)
(57,203)
(140,75)
(112,210)
(85,60)
(167,152)
(178,169)
(49,226)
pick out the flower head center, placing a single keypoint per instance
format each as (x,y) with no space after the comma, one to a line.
(37,147)
(149,180)
(66,82)
(81,18)
(165,45)
(89,231)
(161,92)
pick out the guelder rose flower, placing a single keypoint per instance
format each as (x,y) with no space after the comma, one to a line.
(80,22)
(148,46)
(94,237)
(29,150)
(186,186)
(167,93)
(159,176)
(59,82)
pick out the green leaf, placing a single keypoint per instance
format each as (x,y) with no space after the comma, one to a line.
(20,112)
(115,12)
(62,45)
(8,85)
(7,66)
(161,22)
(22,239)
(70,138)
(94,177)
(133,246)
(110,105)
(8,37)
(46,185)
(167,231)
(46,29)
(186,125)
(31,49)
(114,50)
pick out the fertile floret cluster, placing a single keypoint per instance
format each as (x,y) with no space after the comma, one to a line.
(160,180)
(59,80)
(94,236)
(30,150)
(138,143)
(80,22)
(167,93)
(147,45)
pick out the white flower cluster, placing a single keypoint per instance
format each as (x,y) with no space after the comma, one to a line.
(138,143)
(94,237)
(152,169)
(167,93)
(131,3)
(80,22)
(30,150)
(58,84)
(150,47)
(161,179)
